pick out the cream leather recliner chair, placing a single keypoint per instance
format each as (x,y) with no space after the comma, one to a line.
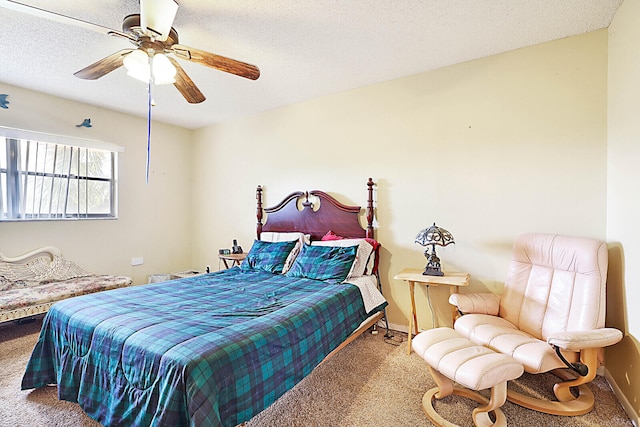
(552,308)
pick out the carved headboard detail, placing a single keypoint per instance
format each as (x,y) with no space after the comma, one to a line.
(330,215)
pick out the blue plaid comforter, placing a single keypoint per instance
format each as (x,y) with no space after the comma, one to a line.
(207,350)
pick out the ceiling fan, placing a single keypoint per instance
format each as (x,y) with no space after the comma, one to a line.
(154,38)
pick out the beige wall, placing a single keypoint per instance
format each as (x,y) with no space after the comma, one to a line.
(623,204)
(152,221)
(487,149)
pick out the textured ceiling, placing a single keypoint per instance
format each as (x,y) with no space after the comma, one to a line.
(305,49)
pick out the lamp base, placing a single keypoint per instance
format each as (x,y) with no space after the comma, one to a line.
(432,272)
(433,264)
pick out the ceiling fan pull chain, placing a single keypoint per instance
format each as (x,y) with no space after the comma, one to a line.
(149,98)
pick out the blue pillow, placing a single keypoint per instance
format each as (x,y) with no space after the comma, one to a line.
(328,263)
(267,256)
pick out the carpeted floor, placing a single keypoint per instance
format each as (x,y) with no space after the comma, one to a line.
(368,383)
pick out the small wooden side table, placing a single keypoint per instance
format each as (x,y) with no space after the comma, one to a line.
(235,259)
(413,276)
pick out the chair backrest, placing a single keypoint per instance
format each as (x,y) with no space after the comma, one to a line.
(555,283)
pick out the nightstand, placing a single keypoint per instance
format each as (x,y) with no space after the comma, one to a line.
(413,276)
(235,259)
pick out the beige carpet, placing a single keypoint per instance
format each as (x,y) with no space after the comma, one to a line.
(368,383)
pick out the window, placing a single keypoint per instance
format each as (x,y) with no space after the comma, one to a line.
(50,177)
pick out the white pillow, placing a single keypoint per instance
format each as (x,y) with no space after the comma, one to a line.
(274,236)
(362,255)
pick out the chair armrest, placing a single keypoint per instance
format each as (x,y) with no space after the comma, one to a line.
(477,303)
(580,340)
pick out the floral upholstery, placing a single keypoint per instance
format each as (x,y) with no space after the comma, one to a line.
(20,301)
(27,294)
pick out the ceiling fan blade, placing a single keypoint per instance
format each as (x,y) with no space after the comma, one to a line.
(157,17)
(103,66)
(52,16)
(218,62)
(186,86)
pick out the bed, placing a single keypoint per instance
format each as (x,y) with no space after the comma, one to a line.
(216,349)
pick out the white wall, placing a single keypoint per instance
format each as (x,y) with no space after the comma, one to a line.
(152,219)
(488,149)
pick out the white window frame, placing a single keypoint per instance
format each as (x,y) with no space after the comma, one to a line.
(22,192)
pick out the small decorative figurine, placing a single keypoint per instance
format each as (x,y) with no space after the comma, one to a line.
(85,123)
(3,101)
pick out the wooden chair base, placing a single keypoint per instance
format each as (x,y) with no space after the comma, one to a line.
(480,414)
(567,404)
(581,405)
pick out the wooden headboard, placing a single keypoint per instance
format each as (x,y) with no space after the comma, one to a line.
(330,215)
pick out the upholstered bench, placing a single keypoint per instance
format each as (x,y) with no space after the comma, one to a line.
(31,283)
(451,357)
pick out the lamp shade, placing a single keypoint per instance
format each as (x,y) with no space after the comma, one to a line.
(137,65)
(157,16)
(434,235)
(163,70)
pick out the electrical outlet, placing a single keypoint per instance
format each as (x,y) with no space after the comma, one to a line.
(137,261)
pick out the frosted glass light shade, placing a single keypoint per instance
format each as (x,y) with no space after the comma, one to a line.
(157,16)
(163,70)
(137,65)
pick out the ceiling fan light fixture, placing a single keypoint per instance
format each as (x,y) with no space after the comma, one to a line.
(156,36)
(163,71)
(137,65)
(157,17)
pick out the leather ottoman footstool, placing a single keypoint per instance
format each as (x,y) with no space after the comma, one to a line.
(452,357)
